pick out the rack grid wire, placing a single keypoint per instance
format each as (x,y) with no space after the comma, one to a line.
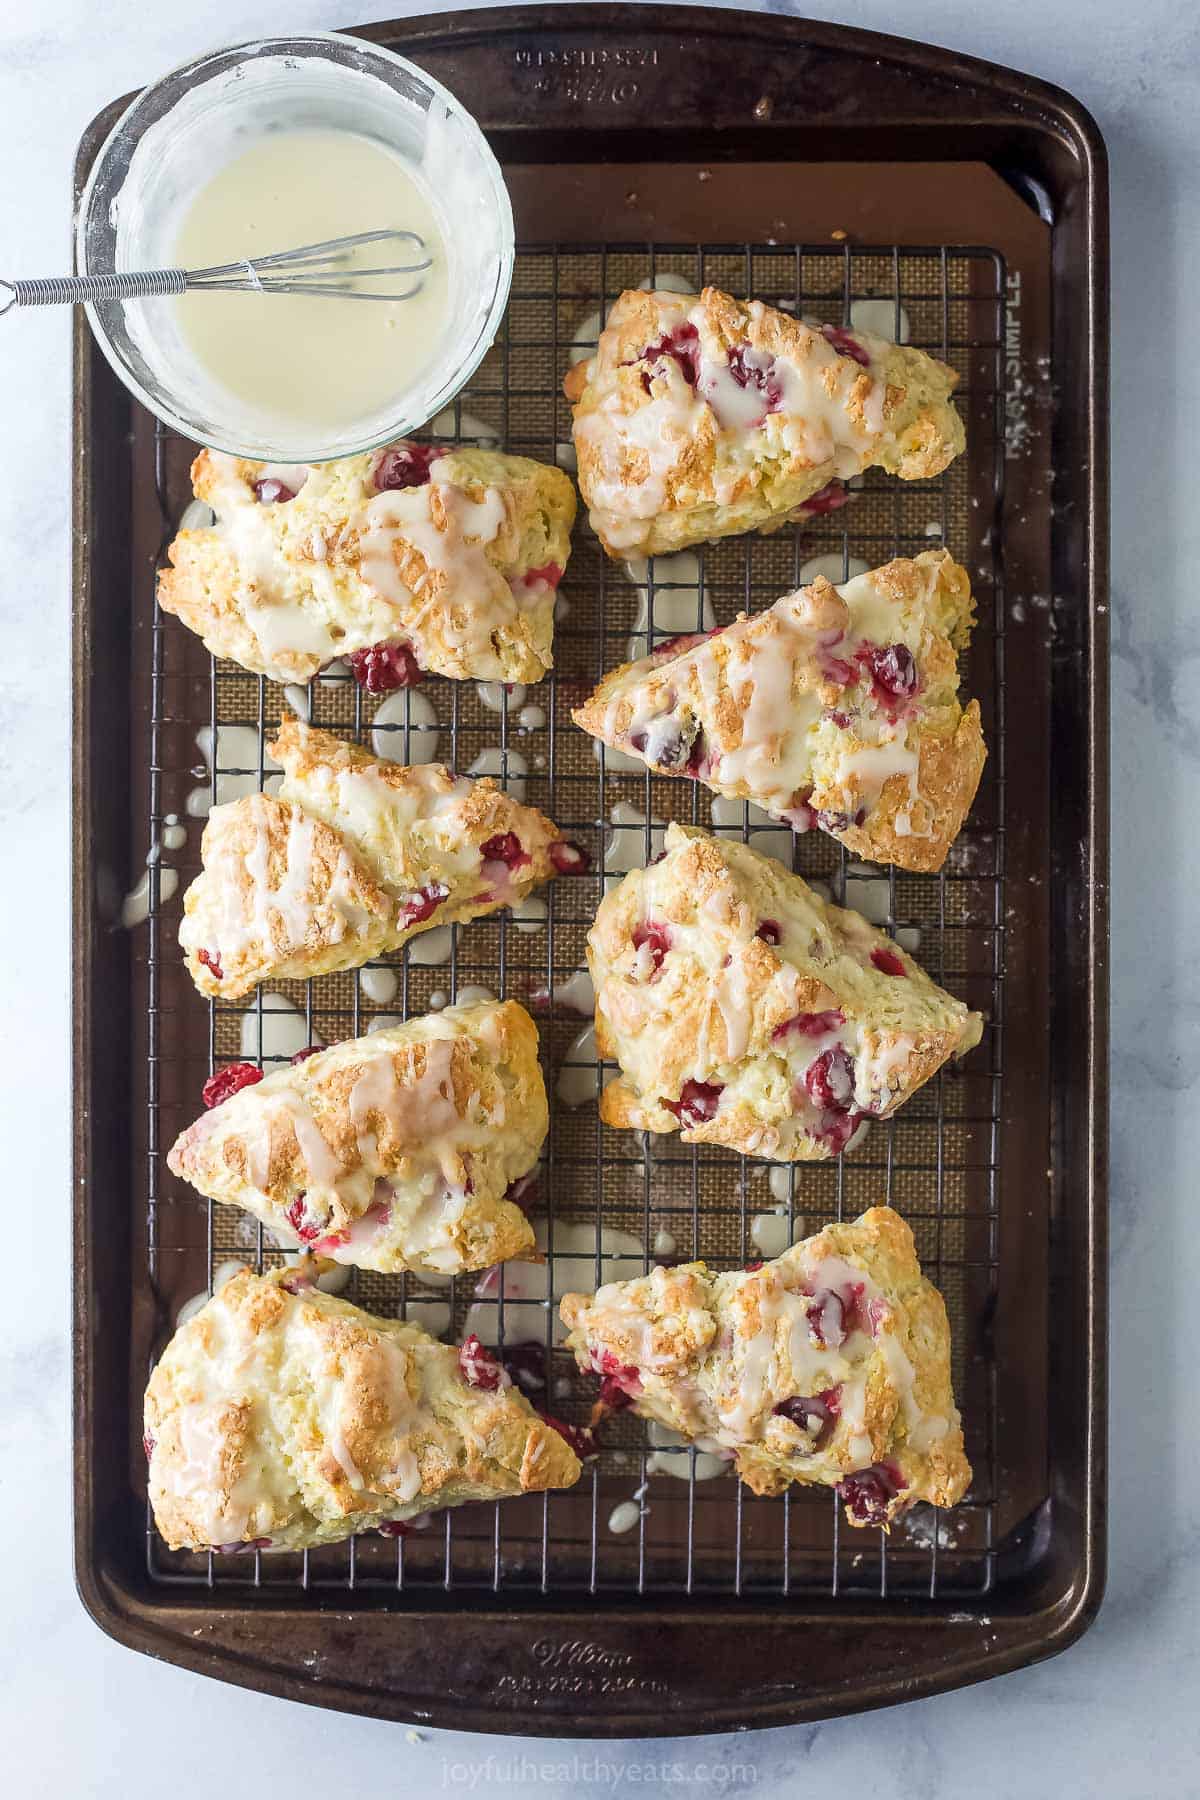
(612,1203)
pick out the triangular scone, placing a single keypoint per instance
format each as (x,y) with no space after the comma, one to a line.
(837,708)
(280,1418)
(830,1365)
(351,858)
(699,417)
(454,553)
(391,1151)
(745,1010)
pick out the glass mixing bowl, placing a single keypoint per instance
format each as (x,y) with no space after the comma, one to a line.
(184,127)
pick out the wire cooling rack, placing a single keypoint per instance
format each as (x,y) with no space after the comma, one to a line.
(612,1203)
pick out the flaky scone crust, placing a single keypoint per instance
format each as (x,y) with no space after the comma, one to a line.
(712,1355)
(283,588)
(447,1111)
(655,482)
(817,733)
(321,876)
(292,1419)
(721,1006)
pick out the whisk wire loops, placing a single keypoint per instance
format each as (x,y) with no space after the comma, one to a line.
(312,269)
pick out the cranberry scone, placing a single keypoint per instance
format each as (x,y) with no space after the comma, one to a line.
(411,558)
(701,417)
(281,1418)
(744,1010)
(351,858)
(392,1151)
(829,1366)
(837,708)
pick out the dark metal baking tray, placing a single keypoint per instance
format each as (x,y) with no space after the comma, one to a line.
(814,165)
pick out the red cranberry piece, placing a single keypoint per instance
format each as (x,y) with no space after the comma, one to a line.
(569,858)
(581,1438)
(770,931)
(376,1215)
(750,1267)
(383,668)
(837,669)
(836,1129)
(674,749)
(867,1493)
(836,1312)
(333,1241)
(830,1080)
(837,717)
(549,575)
(271,492)
(673,752)
(839,821)
(699,762)
(416,908)
(229,1080)
(683,345)
(522,1192)
(845,344)
(657,937)
(812,1412)
(698,1101)
(809,1025)
(238,1548)
(405,466)
(625,1376)
(800,815)
(212,962)
(306,1229)
(827,499)
(506,848)
(478,1366)
(309,1050)
(678,645)
(826,1320)
(526,1364)
(887,962)
(893,669)
(393,1528)
(148,1445)
(752,368)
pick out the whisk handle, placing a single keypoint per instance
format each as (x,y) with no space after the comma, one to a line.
(69,290)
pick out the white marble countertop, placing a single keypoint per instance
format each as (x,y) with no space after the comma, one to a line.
(1117,1714)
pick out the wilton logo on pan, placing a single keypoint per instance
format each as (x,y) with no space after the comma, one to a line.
(577,1666)
(578,1654)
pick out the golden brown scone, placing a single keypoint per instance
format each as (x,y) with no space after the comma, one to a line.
(453,555)
(830,1366)
(745,1010)
(837,708)
(391,1151)
(701,417)
(281,1418)
(351,858)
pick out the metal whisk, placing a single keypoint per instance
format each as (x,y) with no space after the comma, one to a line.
(313,269)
